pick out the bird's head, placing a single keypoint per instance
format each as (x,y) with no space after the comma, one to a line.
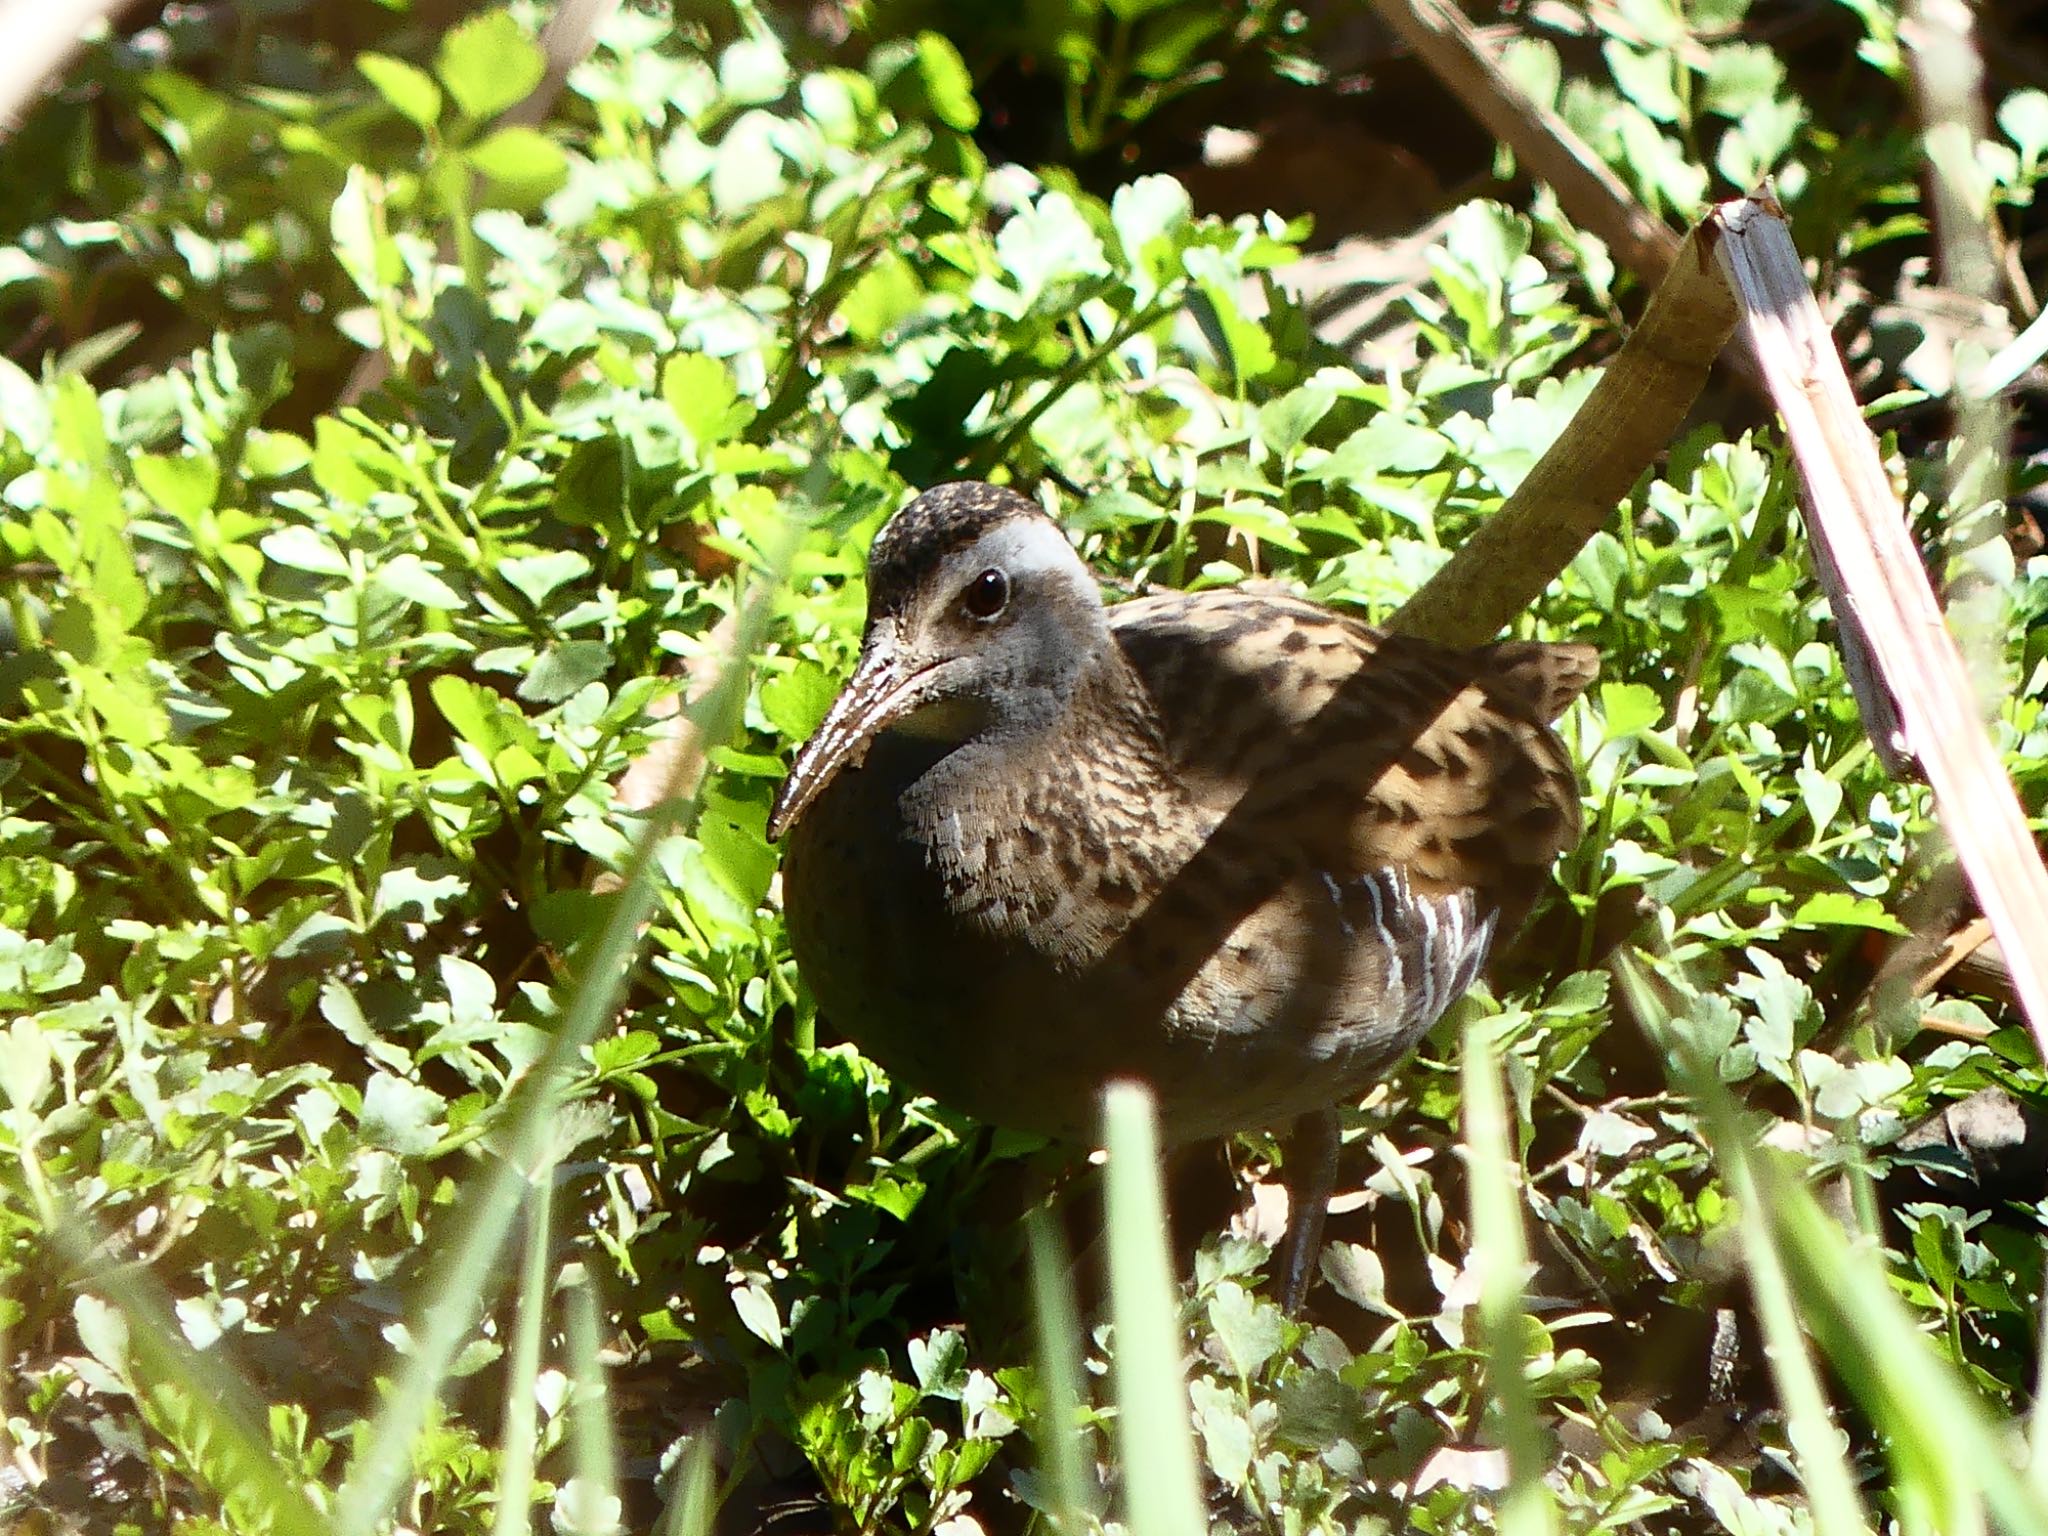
(980,617)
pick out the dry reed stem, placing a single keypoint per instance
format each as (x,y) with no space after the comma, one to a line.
(40,41)
(1852,510)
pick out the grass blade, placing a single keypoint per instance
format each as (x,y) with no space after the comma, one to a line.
(463,1278)
(692,1501)
(1154,1437)
(519,1442)
(1501,1256)
(1830,1488)
(591,1506)
(125,1319)
(1061,1442)
(194,1396)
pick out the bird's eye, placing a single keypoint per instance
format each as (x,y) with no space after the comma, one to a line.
(987,595)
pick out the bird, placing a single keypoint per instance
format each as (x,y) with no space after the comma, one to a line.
(1234,844)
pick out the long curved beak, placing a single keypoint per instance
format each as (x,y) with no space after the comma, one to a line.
(880,692)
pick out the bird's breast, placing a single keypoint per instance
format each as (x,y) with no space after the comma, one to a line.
(1007,951)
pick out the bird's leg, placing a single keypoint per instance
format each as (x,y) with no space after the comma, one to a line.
(1311,1179)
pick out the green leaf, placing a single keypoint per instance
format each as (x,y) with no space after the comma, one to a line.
(1045,247)
(410,577)
(1255,520)
(409,90)
(701,392)
(1628,709)
(24,413)
(947,85)
(617,1053)
(300,548)
(757,1311)
(889,1189)
(565,670)
(749,169)
(1754,146)
(1168,43)
(322,933)
(103,1331)
(754,71)
(1844,909)
(523,165)
(938,1363)
(1936,1249)
(340,458)
(1660,23)
(1133,10)
(1387,443)
(591,490)
(1248,1329)
(1785,1015)
(24,1065)
(472,994)
(1533,64)
(1821,795)
(470,709)
(1356,1274)
(886,294)
(412,894)
(186,487)
(536,577)
(1285,423)
(77,422)
(1667,171)
(2024,118)
(734,838)
(1241,343)
(38,965)
(274,455)
(1742,77)
(488,63)
(795,701)
(1148,210)
(338,1006)
(400,1116)
(1227,1442)
(365,251)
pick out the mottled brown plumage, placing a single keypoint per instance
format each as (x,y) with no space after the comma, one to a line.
(1231,843)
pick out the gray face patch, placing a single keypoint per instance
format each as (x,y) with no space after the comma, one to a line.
(917,541)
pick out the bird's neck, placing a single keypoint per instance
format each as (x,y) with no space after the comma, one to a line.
(1041,742)
(1020,823)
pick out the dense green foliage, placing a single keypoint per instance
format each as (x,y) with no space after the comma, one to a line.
(317,678)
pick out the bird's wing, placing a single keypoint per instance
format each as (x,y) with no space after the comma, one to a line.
(1325,741)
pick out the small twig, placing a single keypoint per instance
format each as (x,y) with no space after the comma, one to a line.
(1955,949)
(1546,146)
(1960,1029)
